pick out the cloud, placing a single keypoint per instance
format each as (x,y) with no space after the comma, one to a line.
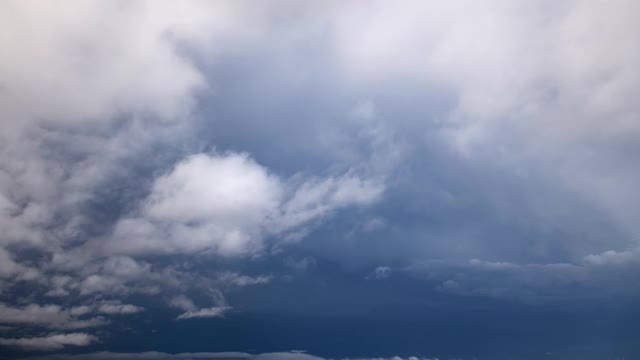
(227,204)
(614,258)
(315,198)
(528,88)
(115,275)
(153,355)
(144,72)
(116,307)
(49,316)
(462,131)
(192,311)
(215,203)
(67,135)
(50,342)
(182,302)
(300,265)
(597,277)
(57,317)
(215,311)
(140,75)
(10,269)
(381,272)
(236,279)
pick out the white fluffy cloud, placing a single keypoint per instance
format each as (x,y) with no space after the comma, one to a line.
(227,204)
(205,203)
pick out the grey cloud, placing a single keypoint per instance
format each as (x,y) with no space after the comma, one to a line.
(597,277)
(215,311)
(554,107)
(469,130)
(615,258)
(50,342)
(236,279)
(300,265)
(115,307)
(182,302)
(381,272)
(10,269)
(57,317)
(65,135)
(50,316)
(192,311)
(226,204)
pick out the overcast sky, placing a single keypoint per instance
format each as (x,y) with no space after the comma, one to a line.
(312,180)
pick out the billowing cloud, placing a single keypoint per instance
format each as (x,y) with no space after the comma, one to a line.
(227,204)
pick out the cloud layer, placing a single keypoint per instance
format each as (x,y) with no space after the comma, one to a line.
(190,153)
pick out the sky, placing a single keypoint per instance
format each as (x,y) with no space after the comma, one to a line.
(307,180)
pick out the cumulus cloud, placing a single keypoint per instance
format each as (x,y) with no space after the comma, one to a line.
(138,75)
(227,204)
(79,100)
(51,342)
(205,203)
